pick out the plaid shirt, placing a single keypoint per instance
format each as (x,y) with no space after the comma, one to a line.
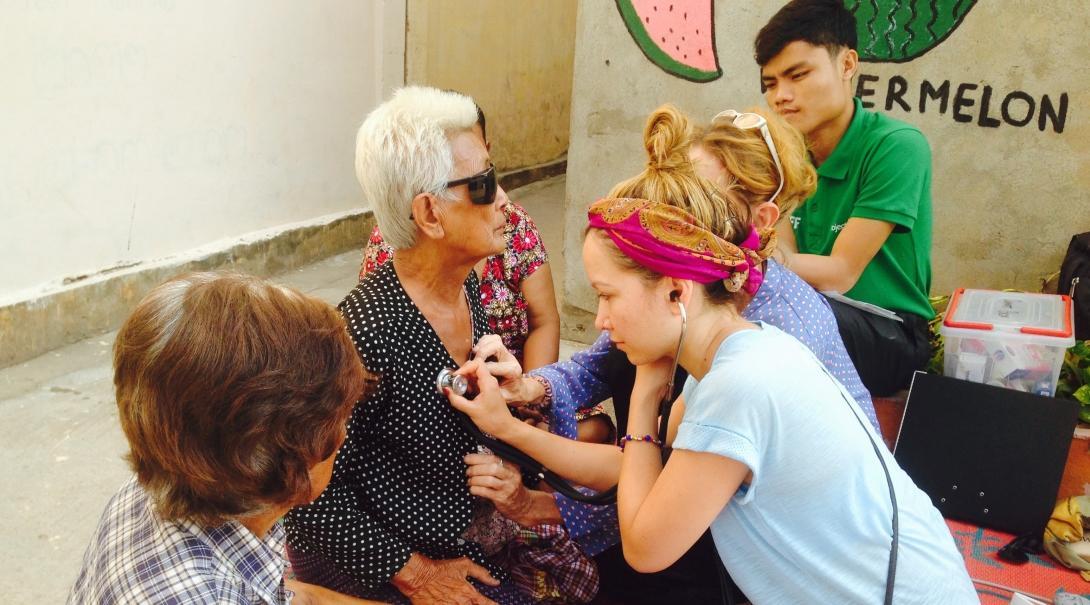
(137,557)
(550,567)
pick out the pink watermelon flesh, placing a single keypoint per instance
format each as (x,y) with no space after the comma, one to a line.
(681,29)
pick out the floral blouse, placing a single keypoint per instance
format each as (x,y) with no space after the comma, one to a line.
(501,281)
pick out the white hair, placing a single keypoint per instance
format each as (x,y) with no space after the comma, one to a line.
(167,301)
(402,151)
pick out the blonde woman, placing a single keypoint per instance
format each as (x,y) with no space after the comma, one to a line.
(761,161)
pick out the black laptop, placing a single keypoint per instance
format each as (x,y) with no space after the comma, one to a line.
(987,455)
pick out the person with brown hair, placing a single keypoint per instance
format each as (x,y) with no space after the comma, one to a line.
(233,394)
(674,267)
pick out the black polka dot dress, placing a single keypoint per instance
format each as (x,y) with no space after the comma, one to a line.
(399,483)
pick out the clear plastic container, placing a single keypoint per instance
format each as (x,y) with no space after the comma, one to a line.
(1008,339)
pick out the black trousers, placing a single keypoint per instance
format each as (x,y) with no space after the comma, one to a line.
(885,352)
(695,579)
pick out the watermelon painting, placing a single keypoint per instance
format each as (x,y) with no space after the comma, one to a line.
(678,36)
(895,31)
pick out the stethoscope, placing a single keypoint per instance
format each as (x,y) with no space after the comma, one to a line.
(458,384)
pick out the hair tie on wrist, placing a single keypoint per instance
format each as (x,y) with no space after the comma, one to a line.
(645,438)
(547,397)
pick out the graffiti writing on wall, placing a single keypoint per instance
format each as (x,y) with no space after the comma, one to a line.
(678,36)
(966,102)
(895,31)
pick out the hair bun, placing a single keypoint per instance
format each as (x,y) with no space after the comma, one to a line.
(666,138)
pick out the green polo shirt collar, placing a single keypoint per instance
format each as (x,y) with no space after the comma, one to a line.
(839,162)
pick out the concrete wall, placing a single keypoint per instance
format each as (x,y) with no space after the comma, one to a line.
(137,131)
(1006,197)
(139,139)
(514,58)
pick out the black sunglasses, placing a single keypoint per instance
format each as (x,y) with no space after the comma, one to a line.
(482,186)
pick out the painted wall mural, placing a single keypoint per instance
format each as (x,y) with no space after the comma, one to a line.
(894,31)
(677,36)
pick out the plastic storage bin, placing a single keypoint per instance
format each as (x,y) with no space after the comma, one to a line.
(1008,339)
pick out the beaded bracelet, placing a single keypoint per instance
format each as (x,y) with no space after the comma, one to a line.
(646,439)
(547,398)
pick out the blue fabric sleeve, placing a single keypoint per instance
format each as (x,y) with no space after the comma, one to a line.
(576,384)
(581,383)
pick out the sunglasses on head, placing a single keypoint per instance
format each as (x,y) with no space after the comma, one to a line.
(755,121)
(482,186)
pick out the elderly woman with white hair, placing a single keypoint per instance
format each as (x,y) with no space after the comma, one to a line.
(398,521)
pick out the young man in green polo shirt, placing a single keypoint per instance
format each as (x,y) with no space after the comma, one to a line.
(866,232)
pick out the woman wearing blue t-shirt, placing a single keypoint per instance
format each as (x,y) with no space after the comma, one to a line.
(805,503)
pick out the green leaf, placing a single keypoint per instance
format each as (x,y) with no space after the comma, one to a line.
(1082,395)
(1080,349)
(1084,414)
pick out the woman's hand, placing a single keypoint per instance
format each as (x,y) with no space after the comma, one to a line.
(652,379)
(501,482)
(517,388)
(488,410)
(434,581)
(522,390)
(504,365)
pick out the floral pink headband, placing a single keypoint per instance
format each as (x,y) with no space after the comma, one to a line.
(671,242)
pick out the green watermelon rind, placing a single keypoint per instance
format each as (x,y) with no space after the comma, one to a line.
(659,57)
(887,54)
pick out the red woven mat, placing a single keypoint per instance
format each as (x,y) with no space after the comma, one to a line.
(1040,577)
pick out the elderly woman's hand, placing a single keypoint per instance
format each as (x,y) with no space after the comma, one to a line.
(500,362)
(501,482)
(488,410)
(441,581)
(517,388)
